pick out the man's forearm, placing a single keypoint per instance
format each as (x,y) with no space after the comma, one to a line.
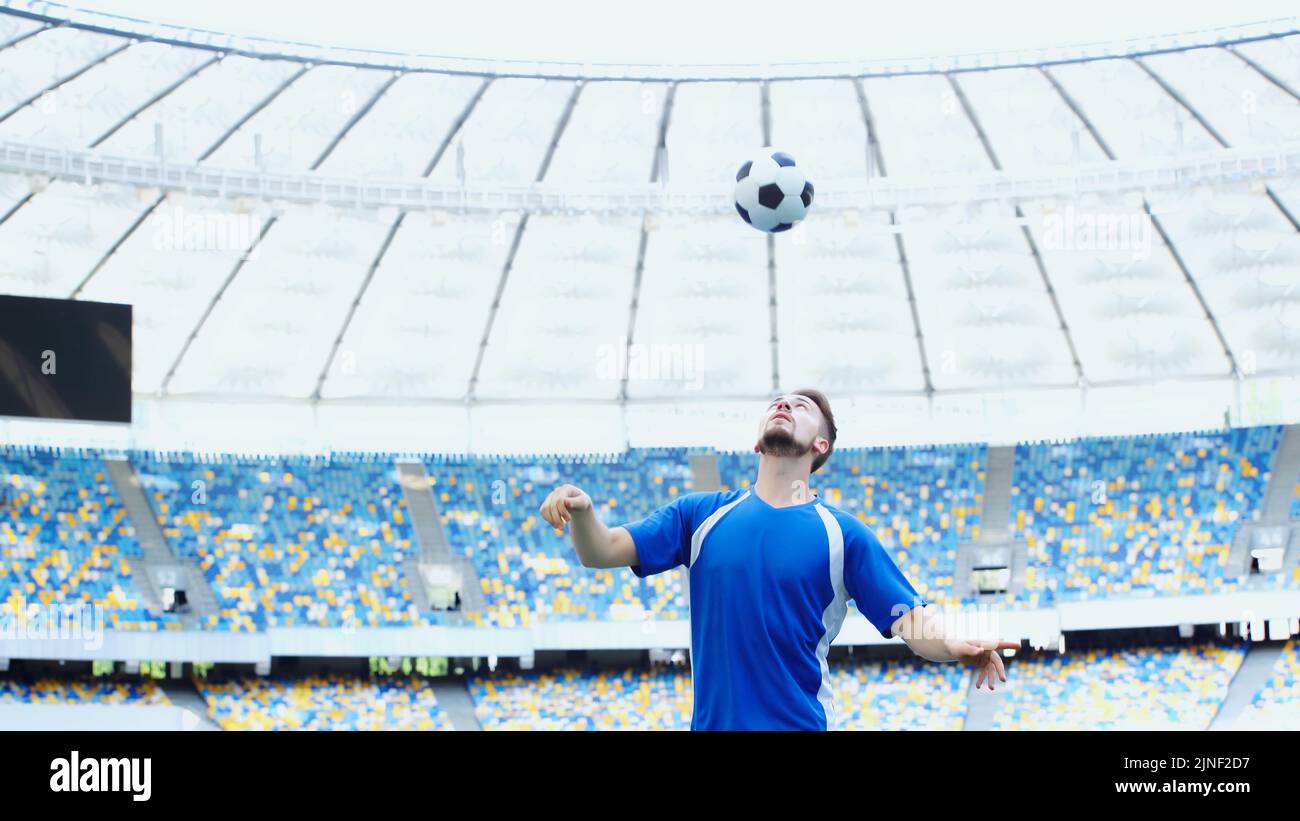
(924,636)
(591,538)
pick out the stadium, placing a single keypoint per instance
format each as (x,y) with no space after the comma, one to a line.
(297,338)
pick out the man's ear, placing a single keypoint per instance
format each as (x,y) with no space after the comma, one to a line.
(821,444)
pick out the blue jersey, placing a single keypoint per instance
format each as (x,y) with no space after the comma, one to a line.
(769,589)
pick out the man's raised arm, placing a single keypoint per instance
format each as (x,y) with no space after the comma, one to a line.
(597,545)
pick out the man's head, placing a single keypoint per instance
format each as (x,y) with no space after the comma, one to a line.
(796,424)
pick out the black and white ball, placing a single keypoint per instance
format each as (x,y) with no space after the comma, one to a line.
(772,193)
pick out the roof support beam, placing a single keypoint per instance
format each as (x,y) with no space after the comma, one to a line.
(1213,132)
(20,38)
(773,337)
(65,79)
(1024,229)
(470,392)
(108,134)
(266,229)
(1155,222)
(876,157)
(212,149)
(661,152)
(140,109)
(392,233)
(1263,72)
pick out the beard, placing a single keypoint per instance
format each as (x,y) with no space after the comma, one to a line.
(780,442)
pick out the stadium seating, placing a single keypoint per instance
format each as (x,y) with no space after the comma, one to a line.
(82,691)
(899,695)
(1166,688)
(920,502)
(530,571)
(904,695)
(293,540)
(321,702)
(633,699)
(65,538)
(321,540)
(1142,515)
(1277,704)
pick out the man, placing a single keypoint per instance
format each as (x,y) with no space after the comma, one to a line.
(771,569)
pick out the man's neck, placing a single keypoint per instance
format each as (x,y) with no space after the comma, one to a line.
(783,482)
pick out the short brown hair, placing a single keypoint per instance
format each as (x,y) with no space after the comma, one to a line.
(824,405)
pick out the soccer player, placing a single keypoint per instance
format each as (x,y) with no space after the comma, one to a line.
(772,569)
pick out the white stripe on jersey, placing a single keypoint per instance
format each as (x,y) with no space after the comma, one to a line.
(833,616)
(697,538)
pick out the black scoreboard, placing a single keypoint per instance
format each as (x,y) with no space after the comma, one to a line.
(65,359)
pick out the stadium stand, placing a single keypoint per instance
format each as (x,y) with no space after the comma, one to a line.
(1167,688)
(658,698)
(1142,515)
(527,569)
(1277,704)
(323,702)
(293,540)
(899,695)
(320,540)
(65,539)
(82,691)
(920,502)
(868,695)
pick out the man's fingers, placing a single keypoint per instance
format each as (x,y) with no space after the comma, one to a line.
(552,508)
(1008,645)
(980,679)
(1001,665)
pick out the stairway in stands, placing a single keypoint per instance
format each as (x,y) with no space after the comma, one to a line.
(1250,677)
(435,559)
(1274,526)
(994,546)
(162,568)
(454,700)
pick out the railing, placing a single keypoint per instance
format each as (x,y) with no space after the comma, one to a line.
(1224,166)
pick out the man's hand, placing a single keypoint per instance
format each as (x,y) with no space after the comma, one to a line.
(560,504)
(982,654)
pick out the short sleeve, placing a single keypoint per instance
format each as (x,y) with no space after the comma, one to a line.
(873,580)
(662,539)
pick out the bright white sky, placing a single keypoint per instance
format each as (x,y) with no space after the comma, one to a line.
(699,31)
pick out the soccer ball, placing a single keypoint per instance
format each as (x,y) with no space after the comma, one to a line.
(772,194)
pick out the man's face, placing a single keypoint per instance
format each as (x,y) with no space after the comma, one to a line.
(791,427)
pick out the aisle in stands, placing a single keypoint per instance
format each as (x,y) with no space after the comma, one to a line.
(1277,704)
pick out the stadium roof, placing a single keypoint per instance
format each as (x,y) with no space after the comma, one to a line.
(307,231)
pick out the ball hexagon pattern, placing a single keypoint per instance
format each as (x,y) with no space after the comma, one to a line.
(772,193)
